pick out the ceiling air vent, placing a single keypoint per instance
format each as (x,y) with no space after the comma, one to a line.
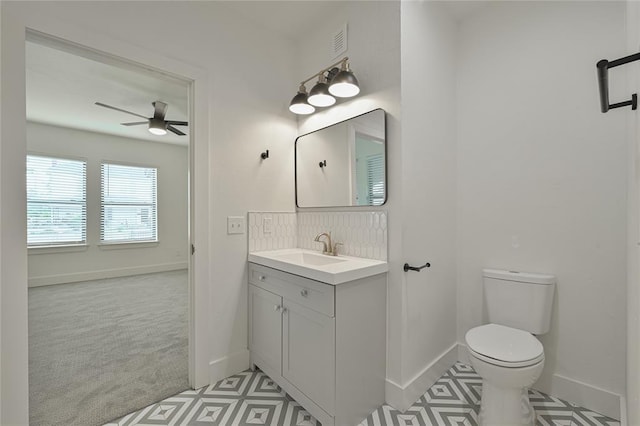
(339,41)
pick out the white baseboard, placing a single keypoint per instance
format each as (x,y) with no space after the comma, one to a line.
(585,395)
(228,365)
(105,273)
(402,397)
(463,354)
(623,411)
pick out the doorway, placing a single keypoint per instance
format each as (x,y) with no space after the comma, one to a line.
(107,234)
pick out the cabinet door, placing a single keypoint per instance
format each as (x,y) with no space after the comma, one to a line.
(308,359)
(265,326)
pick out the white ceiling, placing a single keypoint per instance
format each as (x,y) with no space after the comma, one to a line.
(62,89)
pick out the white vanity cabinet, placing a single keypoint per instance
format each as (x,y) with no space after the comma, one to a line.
(323,344)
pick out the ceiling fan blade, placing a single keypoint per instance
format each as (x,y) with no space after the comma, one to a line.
(177,123)
(174,130)
(120,109)
(160,109)
(135,124)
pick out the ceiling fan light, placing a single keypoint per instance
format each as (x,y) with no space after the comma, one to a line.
(156,131)
(157,127)
(299,104)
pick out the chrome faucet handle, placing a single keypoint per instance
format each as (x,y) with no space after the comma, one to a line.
(335,249)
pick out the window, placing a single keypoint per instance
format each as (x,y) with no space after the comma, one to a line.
(129,204)
(375,180)
(56,201)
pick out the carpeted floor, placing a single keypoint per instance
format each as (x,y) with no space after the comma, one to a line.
(101,349)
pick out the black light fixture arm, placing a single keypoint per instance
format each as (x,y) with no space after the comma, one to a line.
(603,83)
(322,71)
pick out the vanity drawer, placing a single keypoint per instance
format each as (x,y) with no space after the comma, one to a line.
(312,294)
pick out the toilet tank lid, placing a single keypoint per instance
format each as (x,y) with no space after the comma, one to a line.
(524,277)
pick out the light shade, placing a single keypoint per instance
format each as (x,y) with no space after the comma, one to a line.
(299,104)
(344,84)
(157,127)
(319,95)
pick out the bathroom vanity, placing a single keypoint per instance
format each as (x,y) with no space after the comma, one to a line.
(323,342)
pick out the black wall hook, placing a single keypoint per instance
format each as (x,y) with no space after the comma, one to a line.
(323,164)
(265,155)
(407,267)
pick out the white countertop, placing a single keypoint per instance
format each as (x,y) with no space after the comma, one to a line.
(317,266)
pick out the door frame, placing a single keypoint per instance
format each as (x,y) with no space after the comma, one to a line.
(14,380)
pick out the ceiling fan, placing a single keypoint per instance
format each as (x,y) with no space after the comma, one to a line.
(157,124)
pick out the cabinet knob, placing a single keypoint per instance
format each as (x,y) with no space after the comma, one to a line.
(284,310)
(261,277)
(276,308)
(304,293)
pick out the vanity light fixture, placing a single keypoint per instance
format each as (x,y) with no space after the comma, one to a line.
(299,104)
(344,84)
(332,82)
(319,95)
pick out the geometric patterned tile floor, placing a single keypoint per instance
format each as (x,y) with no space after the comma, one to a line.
(252,398)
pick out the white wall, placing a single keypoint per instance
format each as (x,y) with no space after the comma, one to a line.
(2,275)
(53,266)
(542,179)
(250,82)
(429,187)
(633,238)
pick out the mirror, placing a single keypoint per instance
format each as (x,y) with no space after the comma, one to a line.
(343,164)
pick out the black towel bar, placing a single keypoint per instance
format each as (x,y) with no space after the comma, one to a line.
(603,83)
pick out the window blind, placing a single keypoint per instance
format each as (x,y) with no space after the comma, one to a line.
(128,210)
(375,179)
(56,201)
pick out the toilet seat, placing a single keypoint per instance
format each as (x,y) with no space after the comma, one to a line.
(504,346)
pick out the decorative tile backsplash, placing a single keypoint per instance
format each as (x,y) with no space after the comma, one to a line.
(363,234)
(283,233)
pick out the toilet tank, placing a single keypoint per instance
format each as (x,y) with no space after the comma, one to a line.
(520,300)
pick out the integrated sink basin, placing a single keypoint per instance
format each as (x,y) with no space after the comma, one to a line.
(317,266)
(311,259)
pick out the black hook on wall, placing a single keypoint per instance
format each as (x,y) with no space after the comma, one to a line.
(265,155)
(603,83)
(323,164)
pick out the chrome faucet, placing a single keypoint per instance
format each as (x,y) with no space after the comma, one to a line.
(328,248)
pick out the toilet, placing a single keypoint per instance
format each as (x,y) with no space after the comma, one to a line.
(505,352)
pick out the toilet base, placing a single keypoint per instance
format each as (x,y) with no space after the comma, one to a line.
(502,406)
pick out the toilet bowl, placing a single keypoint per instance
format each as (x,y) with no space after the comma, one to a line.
(509,361)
